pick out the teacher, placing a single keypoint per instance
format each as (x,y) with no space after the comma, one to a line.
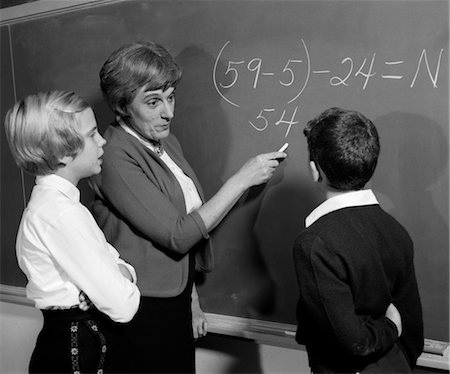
(151,207)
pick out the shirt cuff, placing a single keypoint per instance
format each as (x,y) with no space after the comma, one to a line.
(130,269)
(393,325)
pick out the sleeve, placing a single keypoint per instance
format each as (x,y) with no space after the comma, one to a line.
(119,261)
(407,300)
(80,250)
(328,297)
(140,201)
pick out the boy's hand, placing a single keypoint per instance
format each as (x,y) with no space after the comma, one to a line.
(393,314)
(85,302)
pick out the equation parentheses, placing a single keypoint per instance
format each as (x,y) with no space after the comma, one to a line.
(308,72)
(214,76)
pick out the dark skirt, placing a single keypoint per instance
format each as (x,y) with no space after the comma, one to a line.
(73,341)
(159,339)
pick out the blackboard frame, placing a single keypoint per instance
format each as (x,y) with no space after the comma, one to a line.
(435,354)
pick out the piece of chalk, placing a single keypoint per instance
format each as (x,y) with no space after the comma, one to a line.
(283,148)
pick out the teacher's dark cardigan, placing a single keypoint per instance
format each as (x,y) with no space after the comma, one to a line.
(140,207)
(351,264)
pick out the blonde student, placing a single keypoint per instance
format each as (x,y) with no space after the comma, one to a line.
(78,281)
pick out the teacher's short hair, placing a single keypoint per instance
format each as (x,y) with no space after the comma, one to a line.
(43,128)
(133,66)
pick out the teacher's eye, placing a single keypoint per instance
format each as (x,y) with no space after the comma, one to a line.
(153,103)
(171,98)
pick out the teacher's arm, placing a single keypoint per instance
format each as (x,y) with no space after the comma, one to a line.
(137,195)
(256,171)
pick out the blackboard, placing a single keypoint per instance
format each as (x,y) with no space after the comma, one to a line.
(254,73)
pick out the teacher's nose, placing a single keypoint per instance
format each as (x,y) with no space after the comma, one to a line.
(167,111)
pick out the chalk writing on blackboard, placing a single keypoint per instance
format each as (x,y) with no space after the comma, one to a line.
(297,71)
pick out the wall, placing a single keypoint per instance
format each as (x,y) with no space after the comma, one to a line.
(19,326)
(216,354)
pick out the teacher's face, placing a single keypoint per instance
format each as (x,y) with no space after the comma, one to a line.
(151,112)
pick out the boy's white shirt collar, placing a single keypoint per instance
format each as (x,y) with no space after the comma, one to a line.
(61,184)
(344,200)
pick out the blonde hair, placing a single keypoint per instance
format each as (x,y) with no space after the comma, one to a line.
(43,128)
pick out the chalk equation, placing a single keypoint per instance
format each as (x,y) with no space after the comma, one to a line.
(297,72)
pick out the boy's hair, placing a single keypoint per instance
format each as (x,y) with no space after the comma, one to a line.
(43,128)
(345,145)
(132,67)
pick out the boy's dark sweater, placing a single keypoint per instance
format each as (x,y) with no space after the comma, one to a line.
(351,264)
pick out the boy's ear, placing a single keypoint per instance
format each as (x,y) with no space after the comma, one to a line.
(63,161)
(315,172)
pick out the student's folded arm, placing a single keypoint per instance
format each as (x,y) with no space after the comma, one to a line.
(79,248)
(358,335)
(128,268)
(140,201)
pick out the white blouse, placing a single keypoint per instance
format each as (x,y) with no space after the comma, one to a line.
(62,251)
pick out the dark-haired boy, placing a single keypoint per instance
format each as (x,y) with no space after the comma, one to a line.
(359,308)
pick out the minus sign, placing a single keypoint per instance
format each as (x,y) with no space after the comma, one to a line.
(290,333)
